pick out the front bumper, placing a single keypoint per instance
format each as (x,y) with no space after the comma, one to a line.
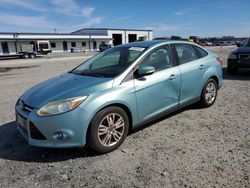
(41,131)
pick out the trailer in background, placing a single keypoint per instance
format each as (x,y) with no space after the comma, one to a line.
(30,50)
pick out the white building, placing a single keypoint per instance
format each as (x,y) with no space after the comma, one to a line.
(118,36)
(82,40)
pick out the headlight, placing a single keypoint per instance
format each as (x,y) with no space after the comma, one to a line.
(61,106)
(232,56)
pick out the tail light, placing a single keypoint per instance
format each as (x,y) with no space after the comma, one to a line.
(219,59)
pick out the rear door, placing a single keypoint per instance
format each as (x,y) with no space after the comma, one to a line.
(192,70)
(158,92)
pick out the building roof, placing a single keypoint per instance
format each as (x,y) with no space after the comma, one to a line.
(124,29)
(47,36)
(30,33)
(95,33)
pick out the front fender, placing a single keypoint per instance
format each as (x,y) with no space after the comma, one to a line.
(122,95)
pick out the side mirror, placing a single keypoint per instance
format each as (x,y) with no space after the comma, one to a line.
(239,44)
(145,70)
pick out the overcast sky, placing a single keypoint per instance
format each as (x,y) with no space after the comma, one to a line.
(166,17)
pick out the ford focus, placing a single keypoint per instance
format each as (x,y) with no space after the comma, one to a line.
(101,100)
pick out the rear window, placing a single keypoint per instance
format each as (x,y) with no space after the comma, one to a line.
(201,53)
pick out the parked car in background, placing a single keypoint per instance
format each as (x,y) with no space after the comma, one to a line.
(239,58)
(98,102)
(103,47)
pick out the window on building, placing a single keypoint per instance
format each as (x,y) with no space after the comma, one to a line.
(53,45)
(83,44)
(73,44)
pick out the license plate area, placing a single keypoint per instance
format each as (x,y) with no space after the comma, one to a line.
(22,121)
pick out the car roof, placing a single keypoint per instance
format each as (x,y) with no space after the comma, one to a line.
(150,43)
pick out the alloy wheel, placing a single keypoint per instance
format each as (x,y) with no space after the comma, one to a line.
(210,93)
(111,129)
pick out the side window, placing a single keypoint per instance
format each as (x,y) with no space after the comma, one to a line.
(186,53)
(201,53)
(161,58)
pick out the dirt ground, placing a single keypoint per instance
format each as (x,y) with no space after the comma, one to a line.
(190,148)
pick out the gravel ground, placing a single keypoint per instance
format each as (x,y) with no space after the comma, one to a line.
(190,148)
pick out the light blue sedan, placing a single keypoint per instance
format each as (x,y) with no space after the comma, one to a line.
(98,102)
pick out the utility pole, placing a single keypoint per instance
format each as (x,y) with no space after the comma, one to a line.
(15,35)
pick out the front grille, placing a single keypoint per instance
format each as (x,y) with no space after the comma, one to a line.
(23,106)
(21,120)
(28,108)
(35,133)
(244,56)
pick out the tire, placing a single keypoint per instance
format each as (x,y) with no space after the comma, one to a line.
(209,93)
(232,70)
(103,136)
(26,56)
(32,56)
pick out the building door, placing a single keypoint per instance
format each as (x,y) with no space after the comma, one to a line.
(94,45)
(132,37)
(5,48)
(65,46)
(117,39)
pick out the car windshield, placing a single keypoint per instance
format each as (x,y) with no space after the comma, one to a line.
(247,43)
(109,63)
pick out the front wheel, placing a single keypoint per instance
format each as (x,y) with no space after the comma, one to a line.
(26,56)
(108,129)
(209,93)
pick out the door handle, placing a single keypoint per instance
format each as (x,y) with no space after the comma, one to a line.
(201,66)
(172,77)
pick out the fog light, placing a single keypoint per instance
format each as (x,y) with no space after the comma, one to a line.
(61,135)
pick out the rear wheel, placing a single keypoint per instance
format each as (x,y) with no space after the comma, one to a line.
(209,93)
(32,56)
(108,129)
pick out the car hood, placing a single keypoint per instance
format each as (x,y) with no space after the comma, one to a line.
(243,50)
(64,86)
